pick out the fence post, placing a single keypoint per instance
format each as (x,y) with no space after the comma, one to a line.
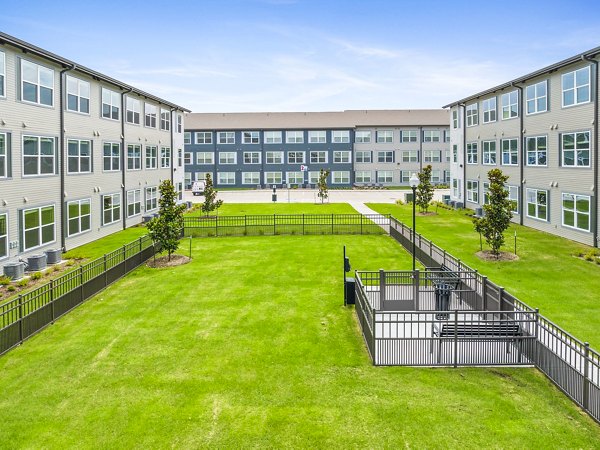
(431,249)
(381,288)
(586,376)
(20,318)
(303,227)
(484,281)
(361,224)
(52,301)
(81,282)
(537,339)
(500,301)
(274,223)
(245,225)
(417,284)
(216,226)
(455,338)
(444,263)
(105,272)
(331,223)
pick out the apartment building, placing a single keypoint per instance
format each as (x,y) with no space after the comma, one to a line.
(81,154)
(541,130)
(362,147)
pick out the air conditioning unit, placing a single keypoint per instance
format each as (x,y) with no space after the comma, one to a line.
(36,262)
(53,256)
(14,271)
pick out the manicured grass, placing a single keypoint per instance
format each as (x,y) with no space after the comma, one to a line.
(546,276)
(106,244)
(249,346)
(239,209)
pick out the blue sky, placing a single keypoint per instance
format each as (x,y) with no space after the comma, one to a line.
(308,55)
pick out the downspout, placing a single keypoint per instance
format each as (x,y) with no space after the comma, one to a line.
(63,210)
(522,155)
(123,160)
(464,153)
(595,153)
(173,125)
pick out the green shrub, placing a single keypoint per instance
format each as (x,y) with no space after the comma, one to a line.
(36,275)
(4,280)
(399,202)
(23,282)
(11,288)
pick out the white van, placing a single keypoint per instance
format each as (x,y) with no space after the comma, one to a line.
(198,187)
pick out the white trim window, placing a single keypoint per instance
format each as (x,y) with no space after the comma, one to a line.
(134,157)
(340,177)
(79,156)
(576,87)
(364,156)
(431,135)
(179,130)
(37,83)
(575,149)
(510,152)
(205,158)
(455,153)
(204,137)
(456,190)
(187,138)
(488,153)
(455,118)
(111,208)
(362,176)
(134,202)
(226,137)
(432,156)
(165,119)
(295,177)
(537,204)
(165,157)
(485,190)
(151,157)
(4,156)
(385,176)
(405,176)
(111,156)
(227,158)
(341,157)
(272,137)
(274,157)
(447,135)
(576,211)
(187,158)
(3,235)
(151,198)
(295,157)
(294,137)
(111,104)
(385,156)
(488,107)
(513,197)
(252,178)
(510,105)
(536,96)
(473,191)
(201,176)
(318,157)
(226,178)
(472,155)
(313,177)
(78,95)
(410,156)
(38,227)
(409,135)
(385,136)
(537,150)
(317,137)
(2,81)
(133,110)
(251,157)
(362,137)
(472,114)
(340,136)
(39,156)
(251,137)
(273,178)
(150,112)
(436,175)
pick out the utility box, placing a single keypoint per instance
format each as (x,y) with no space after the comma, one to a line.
(53,256)
(349,291)
(36,262)
(274,197)
(14,271)
(446,199)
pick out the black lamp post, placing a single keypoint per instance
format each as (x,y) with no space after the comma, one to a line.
(414,182)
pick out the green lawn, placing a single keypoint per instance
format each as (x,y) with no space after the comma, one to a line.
(236,209)
(546,276)
(249,346)
(106,244)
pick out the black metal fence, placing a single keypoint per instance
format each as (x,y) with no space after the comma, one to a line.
(28,313)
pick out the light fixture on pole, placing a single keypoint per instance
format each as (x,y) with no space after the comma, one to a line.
(414,182)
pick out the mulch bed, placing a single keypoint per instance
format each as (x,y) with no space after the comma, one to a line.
(487,255)
(163,261)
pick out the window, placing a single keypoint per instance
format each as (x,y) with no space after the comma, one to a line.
(385,176)
(179,130)
(446,135)
(274,157)
(432,156)
(363,156)
(341,157)
(165,157)
(455,153)
(410,156)
(251,157)
(187,137)
(576,211)
(272,177)
(134,157)
(431,136)
(205,158)
(446,176)
(187,158)
(39,156)
(456,193)
(510,152)
(447,156)
(187,178)
(272,137)
(78,95)
(455,118)
(295,177)
(409,135)
(489,110)
(576,87)
(362,176)
(537,97)
(317,137)
(227,157)
(133,110)
(203,137)
(165,119)
(226,137)
(385,157)
(319,157)
(37,83)
(486,193)
(151,198)
(226,178)
(385,136)
(179,157)
(436,176)
(537,204)
(2,90)
(3,233)
(151,157)
(79,156)
(536,150)
(362,137)
(313,177)
(340,136)
(576,149)
(510,105)
(405,176)
(251,178)
(340,177)
(473,191)
(513,197)
(134,202)
(251,137)
(488,153)
(112,156)
(472,156)
(472,115)
(111,104)
(150,115)
(38,227)
(294,137)
(4,156)
(111,208)
(202,175)
(295,157)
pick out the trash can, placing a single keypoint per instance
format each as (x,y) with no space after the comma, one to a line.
(349,292)
(442,300)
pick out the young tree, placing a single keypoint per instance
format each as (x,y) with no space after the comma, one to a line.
(210,204)
(166,229)
(424,189)
(323,190)
(496,219)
